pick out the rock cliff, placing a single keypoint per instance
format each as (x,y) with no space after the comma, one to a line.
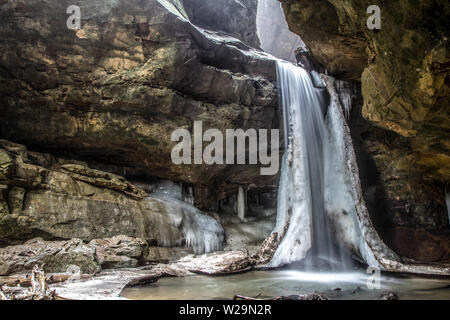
(401,128)
(113,91)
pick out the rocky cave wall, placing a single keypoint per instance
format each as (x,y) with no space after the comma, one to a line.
(84,112)
(400,123)
(109,95)
(115,90)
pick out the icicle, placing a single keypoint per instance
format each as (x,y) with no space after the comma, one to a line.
(188,195)
(346,96)
(241,204)
(200,231)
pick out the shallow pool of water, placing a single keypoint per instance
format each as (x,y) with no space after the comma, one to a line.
(284,282)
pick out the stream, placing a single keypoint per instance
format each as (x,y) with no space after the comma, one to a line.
(264,284)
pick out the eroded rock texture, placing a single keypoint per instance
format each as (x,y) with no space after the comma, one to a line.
(234,17)
(224,262)
(74,257)
(115,90)
(55,198)
(120,251)
(403,149)
(57,256)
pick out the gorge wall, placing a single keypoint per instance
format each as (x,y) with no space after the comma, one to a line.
(87,115)
(401,126)
(114,91)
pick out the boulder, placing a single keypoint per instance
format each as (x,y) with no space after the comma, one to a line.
(55,256)
(224,262)
(120,252)
(164,254)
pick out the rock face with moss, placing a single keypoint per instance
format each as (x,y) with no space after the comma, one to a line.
(115,90)
(404,73)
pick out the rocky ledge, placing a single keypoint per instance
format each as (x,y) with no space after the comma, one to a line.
(55,198)
(88,282)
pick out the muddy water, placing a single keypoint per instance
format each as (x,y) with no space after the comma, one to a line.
(339,286)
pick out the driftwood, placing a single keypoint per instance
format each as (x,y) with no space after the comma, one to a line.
(39,288)
(142,281)
(311,296)
(25,281)
(388,295)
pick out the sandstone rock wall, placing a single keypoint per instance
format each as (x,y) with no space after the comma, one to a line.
(115,90)
(234,17)
(40,197)
(403,68)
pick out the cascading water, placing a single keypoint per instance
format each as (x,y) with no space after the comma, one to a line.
(301,203)
(320,199)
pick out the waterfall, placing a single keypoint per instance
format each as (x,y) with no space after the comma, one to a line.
(321,208)
(301,203)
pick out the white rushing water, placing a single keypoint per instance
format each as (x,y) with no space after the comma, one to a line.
(320,203)
(304,185)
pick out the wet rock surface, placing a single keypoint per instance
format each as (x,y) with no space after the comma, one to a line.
(335,43)
(420,244)
(234,17)
(405,66)
(165,255)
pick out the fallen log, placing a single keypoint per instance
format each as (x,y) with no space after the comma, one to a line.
(310,296)
(25,280)
(39,288)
